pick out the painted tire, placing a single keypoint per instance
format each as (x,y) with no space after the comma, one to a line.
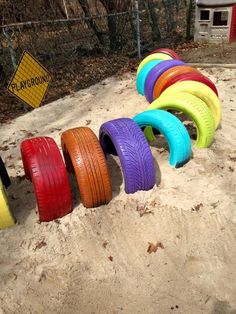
(198,77)
(4,175)
(6,218)
(155,74)
(124,138)
(44,167)
(83,152)
(160,85)
(201,91)
(141,77)
(154,56)
(197,111)
(173,130)
(167,51)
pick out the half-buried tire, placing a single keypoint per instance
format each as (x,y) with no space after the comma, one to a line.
(173,130)
(6,218)
(194,108)
(83,152)
(155,74)
(44,167)
(203,92)
(4,175)
(154,56)
(167,51)
(124,138)
(198,77)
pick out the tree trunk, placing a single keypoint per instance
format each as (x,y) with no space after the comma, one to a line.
(153,18)
(168,5)
(85,7)
(189,19)
(111,7)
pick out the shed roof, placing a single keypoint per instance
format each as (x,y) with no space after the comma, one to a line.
(219,3)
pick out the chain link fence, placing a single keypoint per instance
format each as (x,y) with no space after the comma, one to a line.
(80,51)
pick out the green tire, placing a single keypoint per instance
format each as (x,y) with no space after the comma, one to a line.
(194,108)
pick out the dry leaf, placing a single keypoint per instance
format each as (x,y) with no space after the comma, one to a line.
(197,207)
(39,245)
(152,248)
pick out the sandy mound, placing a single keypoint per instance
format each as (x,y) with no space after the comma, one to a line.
(96,261)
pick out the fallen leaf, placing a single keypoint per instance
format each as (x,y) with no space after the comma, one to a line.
(152,248)
(105,243)
(197,207)
(39,245)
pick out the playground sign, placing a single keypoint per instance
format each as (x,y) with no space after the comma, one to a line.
(30,81)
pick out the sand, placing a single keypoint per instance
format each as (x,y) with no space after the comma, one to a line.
(96,261)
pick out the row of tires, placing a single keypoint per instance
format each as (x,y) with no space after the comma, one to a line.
(170,84)
(85,154)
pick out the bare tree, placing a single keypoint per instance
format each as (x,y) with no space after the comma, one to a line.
(91,22)
(189,18)
(112,7)
(153,19)
(169,5)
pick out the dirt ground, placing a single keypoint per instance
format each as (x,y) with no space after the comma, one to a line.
(96,261)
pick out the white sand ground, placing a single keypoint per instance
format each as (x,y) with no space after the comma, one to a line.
(72,273)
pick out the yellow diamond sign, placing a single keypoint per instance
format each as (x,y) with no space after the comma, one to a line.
(30,81)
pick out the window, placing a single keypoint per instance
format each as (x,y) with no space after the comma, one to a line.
(204,15)
(220,18)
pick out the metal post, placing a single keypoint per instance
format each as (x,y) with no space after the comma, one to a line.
(67,15)
(10,47)
(138,28)
(13,56)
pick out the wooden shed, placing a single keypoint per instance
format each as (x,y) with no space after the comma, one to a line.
(215,21)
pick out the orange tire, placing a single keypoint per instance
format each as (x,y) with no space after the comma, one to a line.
(169,74)
(82,151)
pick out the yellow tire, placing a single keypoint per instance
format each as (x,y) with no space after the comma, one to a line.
(6,217)
(196,110)
(203,92)
(154,56)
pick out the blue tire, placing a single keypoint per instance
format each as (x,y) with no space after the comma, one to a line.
(173,130)
(141,77)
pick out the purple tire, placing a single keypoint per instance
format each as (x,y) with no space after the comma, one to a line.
(124,138)
(155,74)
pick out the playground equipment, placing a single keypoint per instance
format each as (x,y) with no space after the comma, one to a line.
(167,51)
(44,167)
(124,138)
(4,175)
(84,156)
(173,130)
(155,74)
(6,217)
(194,108)
(172,85)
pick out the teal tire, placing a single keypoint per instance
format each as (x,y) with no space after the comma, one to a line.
(173,130)
(142,75)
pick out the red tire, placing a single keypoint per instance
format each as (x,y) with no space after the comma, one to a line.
(44,167)
(167,51)
(193,76)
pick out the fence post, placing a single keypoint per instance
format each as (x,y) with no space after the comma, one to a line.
(10,47)
(138,28)
(13,56)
